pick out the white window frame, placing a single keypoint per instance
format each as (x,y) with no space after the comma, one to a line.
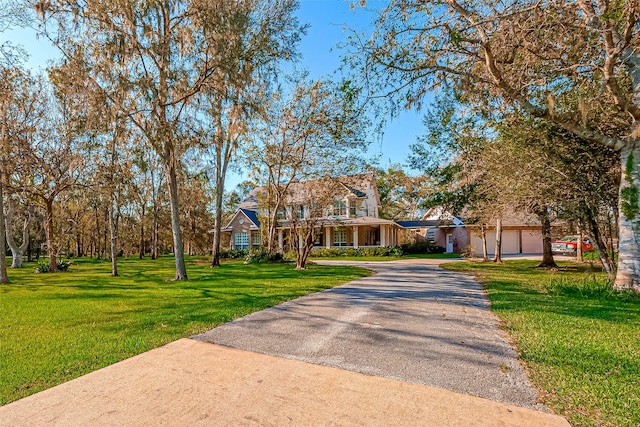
(431,234)
(339,208)
(241,240)
(353,208)
(340,237)
(256,239)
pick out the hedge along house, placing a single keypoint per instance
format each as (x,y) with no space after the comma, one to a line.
(346,217)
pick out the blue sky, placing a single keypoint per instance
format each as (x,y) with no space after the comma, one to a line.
(328,20)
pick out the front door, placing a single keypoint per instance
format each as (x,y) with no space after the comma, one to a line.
(449,247)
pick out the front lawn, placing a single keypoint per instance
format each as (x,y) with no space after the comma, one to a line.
(579,340)
(56,327)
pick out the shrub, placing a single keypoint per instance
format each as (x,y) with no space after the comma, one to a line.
(386,251)
(291,255)
(262,256)
(234,253)
(64,265)
(422,247)
(43,266)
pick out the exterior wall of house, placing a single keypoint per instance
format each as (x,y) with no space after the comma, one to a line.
(460,238)
(245,227)
(371,202)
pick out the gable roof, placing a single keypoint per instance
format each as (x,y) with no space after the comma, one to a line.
(355,185)
(252,215)
(249,214)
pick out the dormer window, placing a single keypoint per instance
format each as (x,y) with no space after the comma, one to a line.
(339,208)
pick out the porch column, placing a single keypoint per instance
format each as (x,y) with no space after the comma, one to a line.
(280,240)
(383,235)
(355,236)
(327,232)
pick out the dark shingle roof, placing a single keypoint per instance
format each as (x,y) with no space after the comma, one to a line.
(355,191)
(252,215)
(417,224)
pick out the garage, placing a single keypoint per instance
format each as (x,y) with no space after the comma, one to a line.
(510,242)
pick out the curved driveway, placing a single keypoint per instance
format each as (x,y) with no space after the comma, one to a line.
(412,321)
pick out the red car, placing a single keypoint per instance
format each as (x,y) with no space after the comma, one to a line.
(568,244)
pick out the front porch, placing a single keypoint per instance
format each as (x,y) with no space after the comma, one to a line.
(380,233)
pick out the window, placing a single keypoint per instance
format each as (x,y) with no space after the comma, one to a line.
(352,208)
(281,213)
(339,208)
(431,234)
(340,237)
(318,238)
(242,240)
(300,212)
(257,240)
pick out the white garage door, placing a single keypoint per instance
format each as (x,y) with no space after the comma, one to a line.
(510,242)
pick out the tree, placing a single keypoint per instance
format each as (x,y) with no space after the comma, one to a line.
(316,132)
(49,159)
(401,195)
(17,250)
(306,214)
(164,52)
(575,64)
(10,55)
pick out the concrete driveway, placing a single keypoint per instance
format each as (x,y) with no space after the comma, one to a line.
(412,321)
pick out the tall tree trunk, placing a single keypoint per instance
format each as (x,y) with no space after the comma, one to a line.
(485,252)
(17,251)
(178,245)
(113,229)
(154,238)
(106,232)
(225,146)
(628,274)
(141,247)
(29,251)
(547,255)
(79,248)
(48,226)
(4,278)
(215,262)
(579,254)
(96,242)
(498,255)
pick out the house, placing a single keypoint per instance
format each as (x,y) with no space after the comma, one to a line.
(347,219)
(439,226)
(521,233)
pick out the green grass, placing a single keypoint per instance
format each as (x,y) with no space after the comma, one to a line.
(56,327)
(579,339)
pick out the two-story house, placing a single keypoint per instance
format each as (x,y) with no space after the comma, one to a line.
(348,218)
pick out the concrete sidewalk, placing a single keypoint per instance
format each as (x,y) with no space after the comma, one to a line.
(192,383)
